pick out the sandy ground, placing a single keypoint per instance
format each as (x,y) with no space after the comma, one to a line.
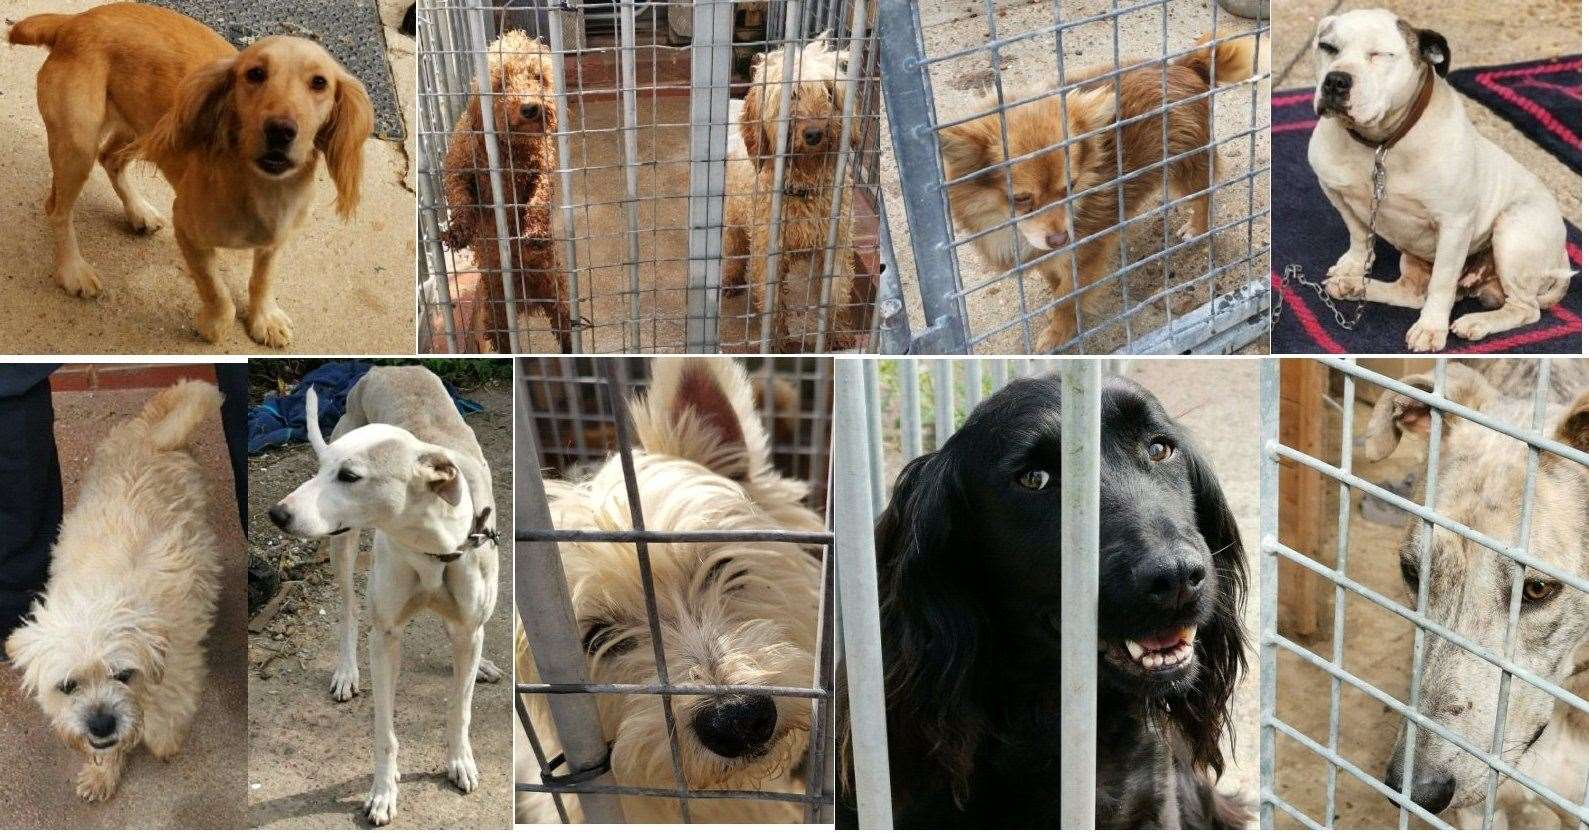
(309,757)
(203,787)
(1481,33)
(348,287)
(1377,648)
(1217,400)
(958,85)
(601,234)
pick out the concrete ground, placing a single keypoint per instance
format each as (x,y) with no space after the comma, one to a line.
(1481,33)
(601,233)
(203,787)
(347,286)
(309,757)
(959,85)
(1218,400)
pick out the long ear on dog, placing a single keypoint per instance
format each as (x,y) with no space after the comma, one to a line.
(1573,428)
(969,147)
(750,126)
(441,475)
(1203,711)
(342,137)
(931,633)
(203,117)
(1395,413)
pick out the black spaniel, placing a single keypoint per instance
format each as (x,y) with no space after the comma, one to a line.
(968,555)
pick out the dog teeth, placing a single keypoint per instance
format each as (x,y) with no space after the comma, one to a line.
(1169,658)
(1135,650)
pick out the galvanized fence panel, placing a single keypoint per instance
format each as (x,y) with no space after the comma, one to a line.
(583,767)
(628,193)
(891,411)
(1574,805)
(1163,294)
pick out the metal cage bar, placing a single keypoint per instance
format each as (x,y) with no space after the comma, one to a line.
(547,613)
(1427,516)
(1081,383)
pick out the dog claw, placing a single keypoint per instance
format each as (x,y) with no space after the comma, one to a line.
(1346,287)
(463,773)
(147,221)
(1471,327)
(78,279)
(381,806)
(1426,338)
(270,326)
(344,685)
(94,783)
(487,672)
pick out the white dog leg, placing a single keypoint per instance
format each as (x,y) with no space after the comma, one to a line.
(386,658)
(1345,279)
(466,645)
(345,555)
(1451,251)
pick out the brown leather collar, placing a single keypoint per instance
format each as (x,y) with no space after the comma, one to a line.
(1419,104)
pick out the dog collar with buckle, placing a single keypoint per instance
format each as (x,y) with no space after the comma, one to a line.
(1419,104)
(477,537)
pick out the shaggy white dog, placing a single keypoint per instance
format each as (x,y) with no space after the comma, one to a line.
(730,613)
(113,651)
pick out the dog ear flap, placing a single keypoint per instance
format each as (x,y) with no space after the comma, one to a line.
(965,147)
(750,127)
(441,476)
(342,138)
(703,409)
(1395,413)
(201,118)
(1573,429)
(1432,47)
(1203,711)
(23,648)
(931,632)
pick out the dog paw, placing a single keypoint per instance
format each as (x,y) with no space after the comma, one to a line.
(1189,231)
(344,684)
(145,220)
(212,322)
(1473,326)
(96,782)
(487,672)
(1426,338)
(270,326)
(1346,287)
(78,279)
(381,805)
(462,772)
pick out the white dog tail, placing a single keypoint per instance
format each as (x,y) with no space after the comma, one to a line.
(173,413)
(703,409)
(311,418)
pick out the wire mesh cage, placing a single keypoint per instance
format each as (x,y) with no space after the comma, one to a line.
(572,414)
(1452,682)
(647,176)
(891,411)
(1046,153)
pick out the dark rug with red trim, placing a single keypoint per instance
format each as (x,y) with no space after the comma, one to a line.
(1543,99)
(1309,233)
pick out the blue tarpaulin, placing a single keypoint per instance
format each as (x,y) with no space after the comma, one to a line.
(280,419)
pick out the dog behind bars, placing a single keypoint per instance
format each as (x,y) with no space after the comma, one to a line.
(1481,481)
(730,613)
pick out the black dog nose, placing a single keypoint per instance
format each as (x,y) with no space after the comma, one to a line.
(280,132)
(101,724)
(1172,582)
(1431,790)
(735,725)
(530,111)
(280,516)
(813,135)
(1337,83)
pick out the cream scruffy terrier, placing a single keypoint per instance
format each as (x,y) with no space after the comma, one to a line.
(113,652)
(730,614)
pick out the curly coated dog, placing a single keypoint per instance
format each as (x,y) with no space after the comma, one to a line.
(815,125)
(524,117)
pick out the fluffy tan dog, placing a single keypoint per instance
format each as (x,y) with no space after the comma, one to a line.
(731,613)
(814,125)
(238,134)
(113,651)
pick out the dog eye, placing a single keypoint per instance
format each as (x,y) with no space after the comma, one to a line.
(124,676)
(1036,480)
(349,476)
(1023,200)
(1409,574)
(255,75)
(1328,49)
(66,686)
(318,83)
(1161,449)
(1537,590)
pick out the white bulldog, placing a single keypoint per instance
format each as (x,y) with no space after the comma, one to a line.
(1466,217)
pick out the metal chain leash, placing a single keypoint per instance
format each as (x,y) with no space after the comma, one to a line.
(1293,272)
